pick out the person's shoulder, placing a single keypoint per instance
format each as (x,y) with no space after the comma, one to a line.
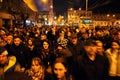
(101,57)
(12,58)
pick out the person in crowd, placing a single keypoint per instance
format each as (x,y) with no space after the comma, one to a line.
(46,53)
(90,33)
(10,39)
(2,42)
(81,31)
(32,49)
(2,38)
(52,35)
(113,54)
(62,50)
(8,64)
(100,48)
(9,43)
(3,33)
(107,38)
(68,34)
(61,38)
(98,35)
(75,46)
(21,52)
(37,70)
(60,70)
(43,37)
(118,36)
(90,65)
(84,37)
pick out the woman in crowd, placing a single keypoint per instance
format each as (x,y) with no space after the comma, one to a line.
(100,48)
(36,71)
(32,49)
(61,38)
(60,70)
(113,55)
(46,53)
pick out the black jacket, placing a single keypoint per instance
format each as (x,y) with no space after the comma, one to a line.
(16,76)
(86,69)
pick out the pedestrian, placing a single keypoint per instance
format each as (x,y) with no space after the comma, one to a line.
(90,65)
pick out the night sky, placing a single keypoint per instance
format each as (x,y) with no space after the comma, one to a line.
(97,6)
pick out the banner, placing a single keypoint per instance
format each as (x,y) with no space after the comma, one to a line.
(38,5)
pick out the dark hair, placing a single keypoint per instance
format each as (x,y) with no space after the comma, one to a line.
(61,60)
(32,39)
(89,42)
(17,37)
(2,49)
(47,42)
(115,42)
(74,36)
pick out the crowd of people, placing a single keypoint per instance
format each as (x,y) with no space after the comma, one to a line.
(59,53)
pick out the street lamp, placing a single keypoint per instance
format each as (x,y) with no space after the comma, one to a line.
(55,17)
(1,3)
(86,7)
(113,15)
(108,15)
(80,9)
(1,0)
(44,1)
(71,9)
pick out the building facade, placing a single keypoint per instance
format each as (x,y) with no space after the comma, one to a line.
(79,17)
(89,20)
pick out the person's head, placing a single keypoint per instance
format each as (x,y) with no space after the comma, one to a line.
(46,44)
(90,31)
(62,33)
(53,28)
(3,56)
(90,47)
(115,45)
(100,48)
(43,37)
(3,34)
(60,68)
(9,39)
(118,34)
(36,64)
(30,41)
(74,39)
(85,35)
(99,33)
(17,40)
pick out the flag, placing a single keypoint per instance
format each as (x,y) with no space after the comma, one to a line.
(38,5)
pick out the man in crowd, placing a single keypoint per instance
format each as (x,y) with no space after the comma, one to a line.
(90,65)
(9,67)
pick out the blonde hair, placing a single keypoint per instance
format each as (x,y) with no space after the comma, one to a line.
(37,60)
